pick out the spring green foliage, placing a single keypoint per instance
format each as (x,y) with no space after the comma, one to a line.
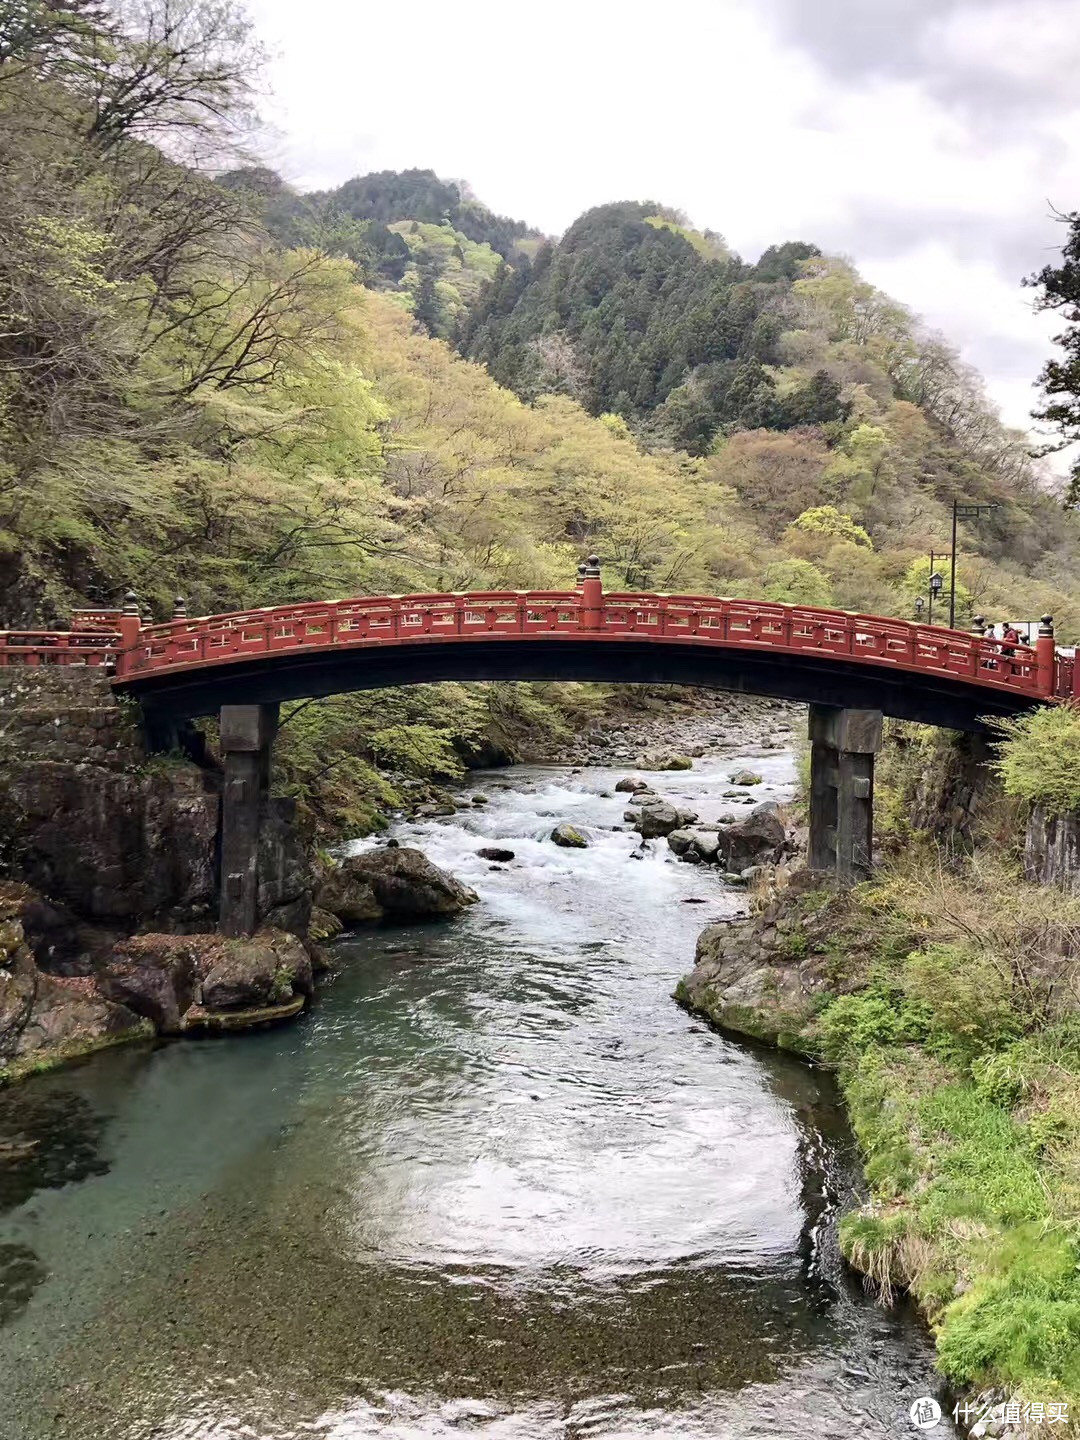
(230,391)
(960,1064)
(828,521)
(796,582)
(1039,757)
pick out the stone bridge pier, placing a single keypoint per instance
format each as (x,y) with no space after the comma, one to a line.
(247,742)
(843,744)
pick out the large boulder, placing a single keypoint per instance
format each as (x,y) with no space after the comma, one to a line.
(48,1017)
(347,893)
(661,818)
(696,846)
(174,980)
(757,840)
(632,785)
(155,976)
(569,837)
(269,968)
(323,926)
(394,886)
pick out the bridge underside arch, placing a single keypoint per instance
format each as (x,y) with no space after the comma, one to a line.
(268,679)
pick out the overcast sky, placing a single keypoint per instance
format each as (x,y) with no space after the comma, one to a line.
(927,139)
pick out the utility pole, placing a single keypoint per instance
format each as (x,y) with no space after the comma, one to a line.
(961,511)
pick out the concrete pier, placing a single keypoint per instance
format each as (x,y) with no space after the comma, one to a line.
(843,744)
(247,741)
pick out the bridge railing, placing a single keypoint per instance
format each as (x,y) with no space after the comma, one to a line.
(58,647)
(391,620)
(839,632)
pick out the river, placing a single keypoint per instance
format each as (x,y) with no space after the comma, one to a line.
(495,1182)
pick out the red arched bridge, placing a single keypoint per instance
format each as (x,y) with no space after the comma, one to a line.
(844,665)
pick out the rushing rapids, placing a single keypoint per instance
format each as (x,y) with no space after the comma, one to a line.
(496,1182)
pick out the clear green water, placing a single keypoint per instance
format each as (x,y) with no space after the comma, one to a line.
(495,1183)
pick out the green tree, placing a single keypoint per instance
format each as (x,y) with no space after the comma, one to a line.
(796,582)
(832,524)
(1058,289)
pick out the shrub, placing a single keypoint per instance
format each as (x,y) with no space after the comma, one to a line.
(966,997)
(869,1020)
(1039,757)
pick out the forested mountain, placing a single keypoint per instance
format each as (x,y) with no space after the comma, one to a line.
(218,388)
(409,232)
(633,313)
(799,386)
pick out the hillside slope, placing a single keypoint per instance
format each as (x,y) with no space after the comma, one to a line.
(198,399)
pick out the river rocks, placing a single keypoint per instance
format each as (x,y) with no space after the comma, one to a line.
(569,837)
(155,976)
(48,1017)
(759,839)
(322,925)
(496,853)
(348,894)
(746,777)
(267,969)
(697,847)
(396,886)
(632,785)
(685,722)
(178,981)
(765,976)
(643,797)
(660,819)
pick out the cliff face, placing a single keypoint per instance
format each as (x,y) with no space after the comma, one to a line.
(1052,849)
(100,841)
(108,833)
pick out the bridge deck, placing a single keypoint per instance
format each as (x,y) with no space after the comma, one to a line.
(317,647)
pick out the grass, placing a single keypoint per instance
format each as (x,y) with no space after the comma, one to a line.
(960,1065)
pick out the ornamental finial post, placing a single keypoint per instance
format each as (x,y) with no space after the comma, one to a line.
(1046,656)
(129,626)
(592,595)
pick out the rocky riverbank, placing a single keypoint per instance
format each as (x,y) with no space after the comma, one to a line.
(951,1020)
(691,723)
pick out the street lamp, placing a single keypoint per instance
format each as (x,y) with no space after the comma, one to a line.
(962,511)
(936,582)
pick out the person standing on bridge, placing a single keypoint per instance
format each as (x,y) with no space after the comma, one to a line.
(990,633)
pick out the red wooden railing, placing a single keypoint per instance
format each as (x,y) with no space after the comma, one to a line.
(135,651)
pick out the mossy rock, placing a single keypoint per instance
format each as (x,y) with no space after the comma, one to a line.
(223,1022)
